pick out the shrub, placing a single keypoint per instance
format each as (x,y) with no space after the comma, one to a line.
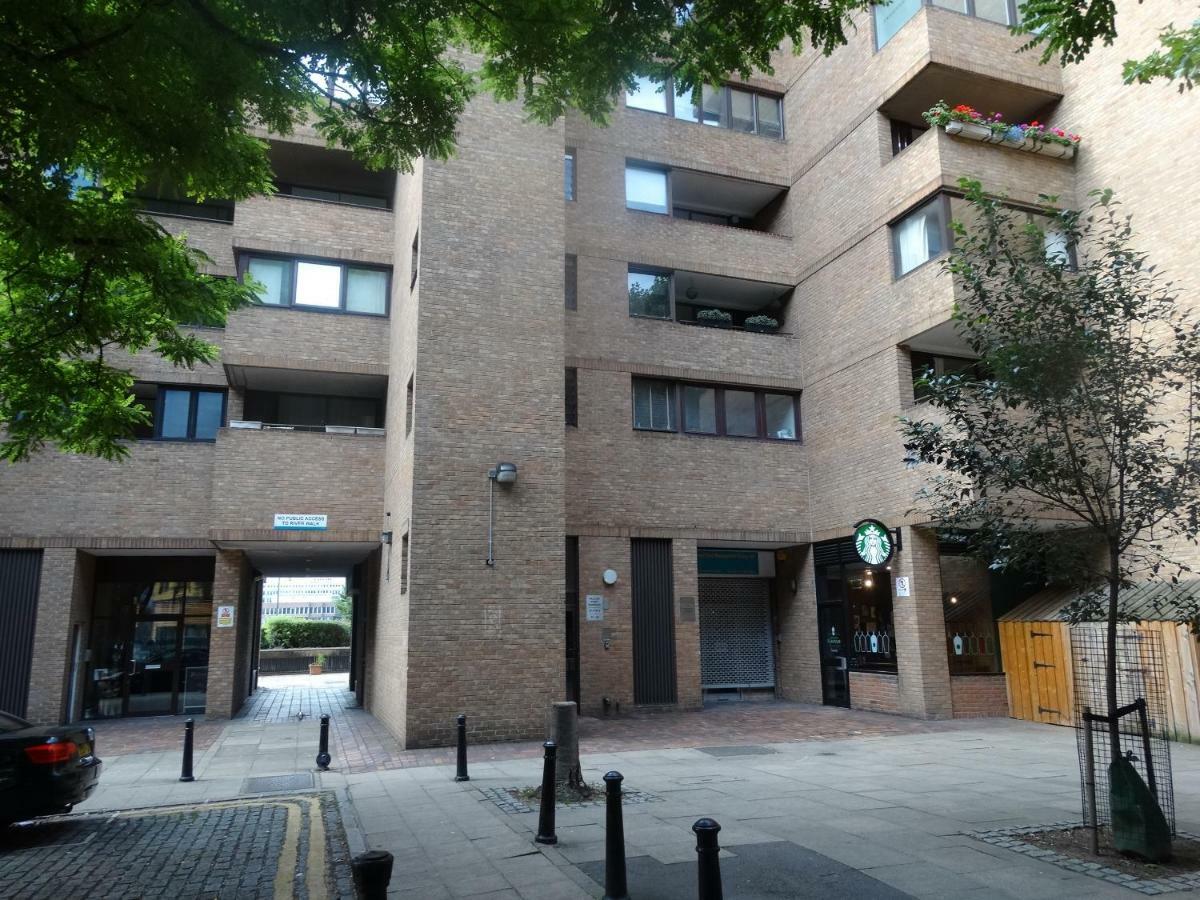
(714,315)
(286,632)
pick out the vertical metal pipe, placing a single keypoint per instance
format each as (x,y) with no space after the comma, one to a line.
(708,873)
(323,756)
(461,774)
(1144,719)
(1089,781)
(546,833)
(186,774)
(615,885)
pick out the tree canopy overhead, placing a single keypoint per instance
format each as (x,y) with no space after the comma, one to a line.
(106,97)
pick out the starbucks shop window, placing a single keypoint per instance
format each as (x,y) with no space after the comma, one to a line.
(855,603)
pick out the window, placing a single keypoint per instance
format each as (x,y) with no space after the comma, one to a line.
(646,189)
(312,411)
(167,204)
(326,195)
(1053,243)
(571,281)
(721,106)
(903,134)
(926,365)
(649,294)
(891,16)
(179,413)
(316,284)
(647,94)
(569,174)
(408,406)
(416,251)
(714,410)
(653,405)
(920,236)
(571,397)
(404,563)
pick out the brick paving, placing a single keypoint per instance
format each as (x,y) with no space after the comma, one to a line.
(260,848)
(121,737)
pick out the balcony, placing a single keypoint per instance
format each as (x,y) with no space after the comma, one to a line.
(287,338)
(714,301)
(292,224)
(703,197)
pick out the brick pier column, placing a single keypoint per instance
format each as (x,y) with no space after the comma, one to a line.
(924,672)
(224,697)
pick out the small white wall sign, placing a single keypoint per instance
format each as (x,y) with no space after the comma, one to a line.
(903,587)
(224,616)
(595,607)
(301,522)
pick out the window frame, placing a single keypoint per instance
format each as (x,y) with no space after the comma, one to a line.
(193,407)
(672,404)
(570,174)
(942,199)
(655,271)
(243,267)
(679,422)
(665,171)
(726,111)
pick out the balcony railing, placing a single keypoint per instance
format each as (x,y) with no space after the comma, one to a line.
(247,425)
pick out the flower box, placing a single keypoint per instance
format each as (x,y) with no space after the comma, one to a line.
(966,122)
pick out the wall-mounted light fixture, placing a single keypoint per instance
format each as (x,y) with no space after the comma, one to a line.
(610,577)
(504,473)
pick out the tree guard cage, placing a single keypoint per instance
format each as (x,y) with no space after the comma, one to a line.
(1142,715)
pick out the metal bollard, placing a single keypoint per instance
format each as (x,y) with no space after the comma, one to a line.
(709,872)
(323,756)
(186,774)
(462,775)
(546,833)
(615,884)
(372,871)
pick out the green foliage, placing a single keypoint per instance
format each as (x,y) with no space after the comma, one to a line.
(763,321)
(344,606)
(1077,453)
(286,632)
(135,95)
(716,316)
(1179,59)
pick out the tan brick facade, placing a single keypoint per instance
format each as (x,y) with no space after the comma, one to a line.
(480,333)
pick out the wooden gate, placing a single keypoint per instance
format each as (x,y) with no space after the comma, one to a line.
(1037,666)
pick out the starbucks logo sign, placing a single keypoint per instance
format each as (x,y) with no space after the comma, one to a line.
(873,542)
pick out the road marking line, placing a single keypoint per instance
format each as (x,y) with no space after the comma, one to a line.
(285,873)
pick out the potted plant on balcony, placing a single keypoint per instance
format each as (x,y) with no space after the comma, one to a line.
(317,666)
(763,324)
(1032,137)
(714,318)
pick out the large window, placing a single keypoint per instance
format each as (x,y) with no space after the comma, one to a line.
(725,106)
(715,410)
(180,413)
(312,410)
(646,189)
(921,235)
(891,16)
(930,365)
(327,195)
(649,294)
(569,174)
(319,284)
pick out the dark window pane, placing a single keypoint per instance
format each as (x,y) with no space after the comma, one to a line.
(571,396)
(919,236)
(209,409)
(366,291)
(275,276)
(571,281)
(741,417)
(712,102)
(362,411)
(781,416)
(685,109)
(652,405)
(569,175)
(650,295)
(176,407)
(700,409)
(770,117)
(301,409)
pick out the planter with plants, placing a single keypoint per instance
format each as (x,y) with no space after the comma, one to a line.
(1032,137)
(714,318)
(763,324)
(317,666)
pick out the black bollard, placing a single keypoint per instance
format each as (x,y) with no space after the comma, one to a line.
(186,774)
(709,872)
(546,833)
(615,885)
(323,756)
(462,750)
(372,872)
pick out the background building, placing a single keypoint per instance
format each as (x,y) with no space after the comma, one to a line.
(681,526)
(308,598)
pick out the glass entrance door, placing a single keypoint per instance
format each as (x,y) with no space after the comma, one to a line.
(835,654)
(153,667)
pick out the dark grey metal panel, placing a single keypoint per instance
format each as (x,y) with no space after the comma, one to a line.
(653,622)
(20,572)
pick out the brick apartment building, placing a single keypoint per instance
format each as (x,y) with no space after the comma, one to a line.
(681,523)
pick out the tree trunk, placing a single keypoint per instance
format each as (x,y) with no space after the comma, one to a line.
(1110,667)
(568,773)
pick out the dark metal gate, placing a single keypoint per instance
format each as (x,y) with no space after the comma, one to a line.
(653,622)
(735,633)
(20,572)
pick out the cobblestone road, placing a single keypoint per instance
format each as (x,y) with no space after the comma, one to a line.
(268,847)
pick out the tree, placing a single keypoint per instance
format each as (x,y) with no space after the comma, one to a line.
(344,605)
(1082,433)
(1069,29)
(106,99)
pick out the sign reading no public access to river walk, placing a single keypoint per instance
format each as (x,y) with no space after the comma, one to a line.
(300,522)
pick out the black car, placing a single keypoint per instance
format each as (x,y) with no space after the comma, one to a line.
(44,769)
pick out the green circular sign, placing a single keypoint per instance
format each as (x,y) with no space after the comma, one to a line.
(873,542)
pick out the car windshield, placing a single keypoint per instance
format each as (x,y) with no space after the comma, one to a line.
(11,723)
